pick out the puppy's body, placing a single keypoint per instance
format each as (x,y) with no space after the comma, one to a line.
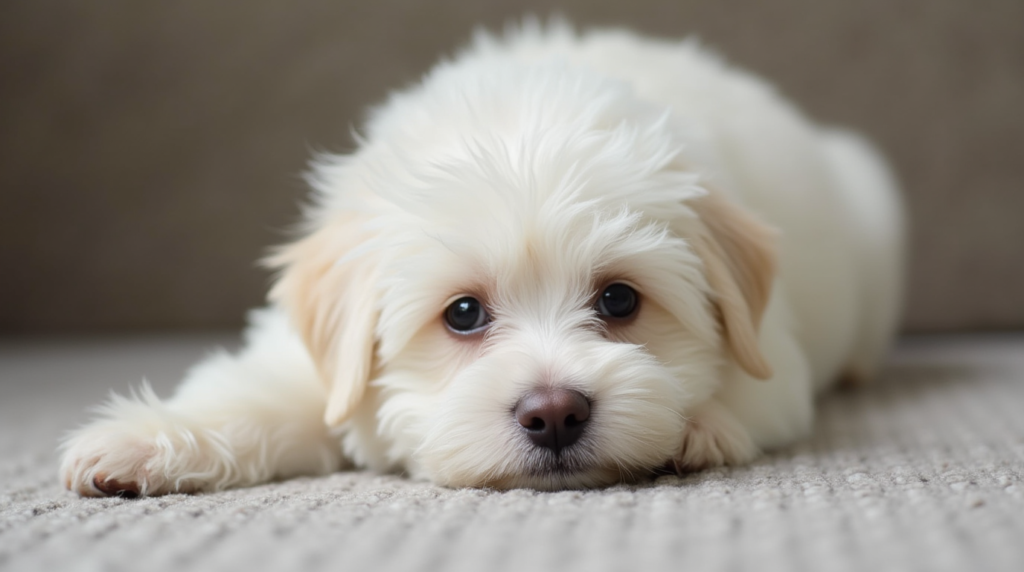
(531,173)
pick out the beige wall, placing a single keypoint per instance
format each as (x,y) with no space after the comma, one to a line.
(149,151)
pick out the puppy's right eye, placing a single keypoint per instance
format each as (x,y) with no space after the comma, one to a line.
(617,301)
(466,316)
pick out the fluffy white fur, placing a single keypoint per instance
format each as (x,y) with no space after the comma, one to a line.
(531,171)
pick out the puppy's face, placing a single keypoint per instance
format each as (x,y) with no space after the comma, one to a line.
(542,313)
(559,344)
(546,358)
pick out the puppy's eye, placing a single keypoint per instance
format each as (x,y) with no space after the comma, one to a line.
(466,316)
(617,301)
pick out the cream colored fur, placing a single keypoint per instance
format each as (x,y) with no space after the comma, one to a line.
(531,171)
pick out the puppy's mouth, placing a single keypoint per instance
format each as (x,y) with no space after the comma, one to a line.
(577,467)
(564,464)
(570,468)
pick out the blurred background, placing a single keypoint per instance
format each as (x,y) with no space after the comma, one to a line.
(151,151)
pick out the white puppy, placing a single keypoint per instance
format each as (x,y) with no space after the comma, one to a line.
(557,261)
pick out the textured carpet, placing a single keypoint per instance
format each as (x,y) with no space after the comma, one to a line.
(922,471)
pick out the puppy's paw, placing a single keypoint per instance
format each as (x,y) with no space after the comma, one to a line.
(136,448)
(101,460)
(712,438)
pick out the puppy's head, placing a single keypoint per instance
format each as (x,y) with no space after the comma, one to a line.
(530,297)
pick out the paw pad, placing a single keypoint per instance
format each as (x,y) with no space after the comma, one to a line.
(115,488)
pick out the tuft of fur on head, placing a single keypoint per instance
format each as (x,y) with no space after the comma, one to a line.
(531,188)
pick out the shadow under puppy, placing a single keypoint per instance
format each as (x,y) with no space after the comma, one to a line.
(559,260)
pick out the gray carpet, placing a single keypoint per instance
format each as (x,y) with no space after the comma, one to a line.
(923,471)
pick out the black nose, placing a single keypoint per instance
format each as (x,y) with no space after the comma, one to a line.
(553,418)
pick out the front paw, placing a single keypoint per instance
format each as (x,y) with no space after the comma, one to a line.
(100,462)
(712,438)
(137,447)
(105,460)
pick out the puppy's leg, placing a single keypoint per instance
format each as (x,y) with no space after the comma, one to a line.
(235,421)
(713,438)
(746,416)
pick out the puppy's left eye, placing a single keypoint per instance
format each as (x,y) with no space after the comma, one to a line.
(466,316)
(617,301)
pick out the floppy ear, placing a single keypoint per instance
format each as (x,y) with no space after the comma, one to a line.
(331,298)
(738,252)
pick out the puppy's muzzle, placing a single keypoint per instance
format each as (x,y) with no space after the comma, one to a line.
(553,418)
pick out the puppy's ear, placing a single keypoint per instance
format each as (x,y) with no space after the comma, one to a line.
(738,252)
(331,298)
